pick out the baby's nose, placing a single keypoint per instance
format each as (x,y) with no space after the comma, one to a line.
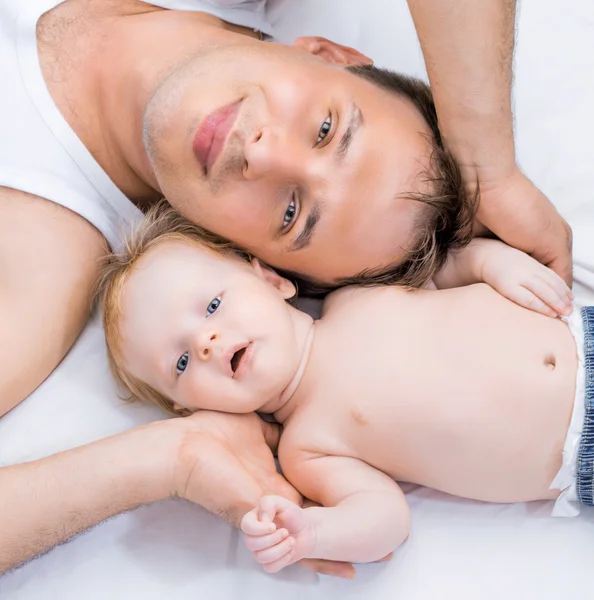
(205,345)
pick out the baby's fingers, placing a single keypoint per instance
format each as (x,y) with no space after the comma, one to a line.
(281,563)
(280,551)
(553,291)
(545,289)
(277,507)
(251,524)
(526,298)
(257,543)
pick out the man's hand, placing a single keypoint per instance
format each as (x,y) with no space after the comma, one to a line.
(225,463)
(515,210)
(468,50)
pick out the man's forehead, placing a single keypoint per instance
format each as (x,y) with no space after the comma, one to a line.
(347,247)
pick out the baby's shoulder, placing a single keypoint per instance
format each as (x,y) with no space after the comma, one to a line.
(303,437)
(344,298)
(355,297)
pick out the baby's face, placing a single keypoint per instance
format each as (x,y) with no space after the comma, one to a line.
(209,331)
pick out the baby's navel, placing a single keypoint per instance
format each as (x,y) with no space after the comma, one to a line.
(550,362)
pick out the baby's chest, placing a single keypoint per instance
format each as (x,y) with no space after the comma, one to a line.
(343,423)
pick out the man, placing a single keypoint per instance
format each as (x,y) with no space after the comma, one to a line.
(123,74)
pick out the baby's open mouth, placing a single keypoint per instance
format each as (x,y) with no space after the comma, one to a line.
(236,358)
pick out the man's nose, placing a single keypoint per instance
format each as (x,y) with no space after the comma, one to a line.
(270,153)
(205,344)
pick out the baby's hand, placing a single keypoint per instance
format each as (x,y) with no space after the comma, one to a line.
(522,279)
(278,532)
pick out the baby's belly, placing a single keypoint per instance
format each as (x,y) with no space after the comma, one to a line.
(476,403)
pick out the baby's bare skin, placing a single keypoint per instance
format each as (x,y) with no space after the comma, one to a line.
(459,390)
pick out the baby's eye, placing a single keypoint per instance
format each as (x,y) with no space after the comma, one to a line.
(325,129)
(212,307)
(182,363)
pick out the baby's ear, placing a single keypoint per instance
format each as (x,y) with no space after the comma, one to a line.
(181,411)
(284,286)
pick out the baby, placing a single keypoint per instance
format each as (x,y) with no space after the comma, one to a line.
(458,389)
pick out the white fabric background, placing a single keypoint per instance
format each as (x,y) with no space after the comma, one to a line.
(458,548)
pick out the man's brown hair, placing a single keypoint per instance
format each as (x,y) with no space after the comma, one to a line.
(446,220)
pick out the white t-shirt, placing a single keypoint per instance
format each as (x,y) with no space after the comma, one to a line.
(39,152)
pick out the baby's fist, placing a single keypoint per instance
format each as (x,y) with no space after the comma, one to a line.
(278,533)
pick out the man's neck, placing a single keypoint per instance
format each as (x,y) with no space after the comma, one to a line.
(128,49)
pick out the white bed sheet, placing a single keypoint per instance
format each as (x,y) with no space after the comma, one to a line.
(458,548)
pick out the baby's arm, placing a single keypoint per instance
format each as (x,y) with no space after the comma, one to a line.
(364,515)
(511,272)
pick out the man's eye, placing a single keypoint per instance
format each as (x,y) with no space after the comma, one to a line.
(290,213)
(325,129)
(212,307)
(182,363)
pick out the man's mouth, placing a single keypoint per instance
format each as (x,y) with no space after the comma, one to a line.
(212,133)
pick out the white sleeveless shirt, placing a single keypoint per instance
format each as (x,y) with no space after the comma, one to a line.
(39,152)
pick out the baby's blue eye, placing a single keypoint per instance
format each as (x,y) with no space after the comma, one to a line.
(325,129)
(212,307)
(182,363)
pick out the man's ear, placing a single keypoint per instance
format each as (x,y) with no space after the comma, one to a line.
(284,286)
(331,51)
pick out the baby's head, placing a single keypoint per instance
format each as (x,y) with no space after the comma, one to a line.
(192,324)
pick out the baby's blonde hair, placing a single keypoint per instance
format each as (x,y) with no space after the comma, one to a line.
(161,224)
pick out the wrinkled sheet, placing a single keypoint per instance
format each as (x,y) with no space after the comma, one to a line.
(458,548)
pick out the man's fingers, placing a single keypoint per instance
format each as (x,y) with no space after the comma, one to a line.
(329,567)
(515,210)
(563,266)
(272,432)
(307,503)
(386,558)
(562,263)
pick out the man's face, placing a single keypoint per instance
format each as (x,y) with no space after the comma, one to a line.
(300,162)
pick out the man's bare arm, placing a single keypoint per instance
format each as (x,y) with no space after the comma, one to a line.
(222,462)
(49,258)
(468,48)
(48,501)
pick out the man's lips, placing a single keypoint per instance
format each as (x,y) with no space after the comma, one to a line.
(211,134)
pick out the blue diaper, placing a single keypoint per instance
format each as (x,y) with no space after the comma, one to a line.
(576,476)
